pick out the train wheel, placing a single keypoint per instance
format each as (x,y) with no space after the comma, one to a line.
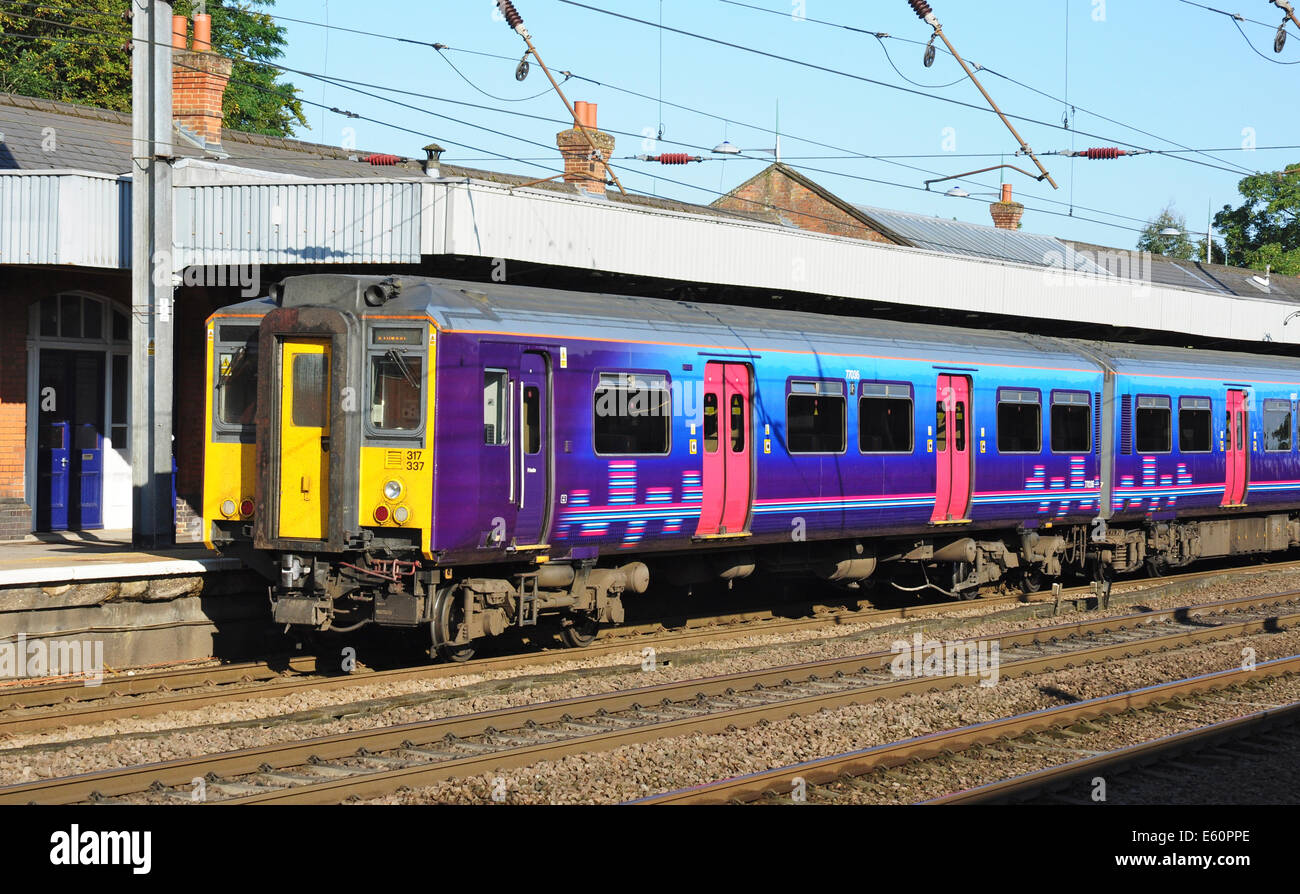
(581,632)
(1031,580)
(448,616)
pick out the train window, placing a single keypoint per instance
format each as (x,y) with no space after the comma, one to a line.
(1277,426)
(396,391)
(631,413)
(1154,425)
(814,415)
(494,407)
(236,385)
(1071,422)
(885,419)
(1194,425)
(710,423)
(310,390)
(1020,421)
(737,424)
(532,420)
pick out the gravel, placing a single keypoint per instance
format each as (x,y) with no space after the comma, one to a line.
(245,724)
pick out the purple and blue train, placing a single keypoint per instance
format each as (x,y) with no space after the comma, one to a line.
(471,458)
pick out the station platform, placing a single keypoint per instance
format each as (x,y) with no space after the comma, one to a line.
(136,607)
(99,556)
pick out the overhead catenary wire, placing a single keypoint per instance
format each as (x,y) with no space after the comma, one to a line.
(858,77)
(881,35)
(1237,19)
(442,48)
(505,156)
(349,85)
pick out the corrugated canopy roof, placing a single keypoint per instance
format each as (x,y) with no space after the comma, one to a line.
(975,240)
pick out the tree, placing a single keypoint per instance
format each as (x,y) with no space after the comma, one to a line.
(1180,246)
(79,51)
(1265,229)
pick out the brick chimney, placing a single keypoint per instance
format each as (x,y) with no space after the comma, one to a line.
(1006,213)
(199,78)
(581,165)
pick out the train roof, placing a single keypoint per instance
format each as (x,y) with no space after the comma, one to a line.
(458,306)
(500,308)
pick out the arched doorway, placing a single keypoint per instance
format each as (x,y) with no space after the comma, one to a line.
(78,458)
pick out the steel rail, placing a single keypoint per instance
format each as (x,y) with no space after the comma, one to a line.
(1028,785)
(858,763)
(115,782)
(610,641)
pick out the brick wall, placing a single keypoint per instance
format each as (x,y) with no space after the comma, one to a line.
(13,404)
(775,190)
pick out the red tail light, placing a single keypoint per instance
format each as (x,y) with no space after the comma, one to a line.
(381,514)
(246,509)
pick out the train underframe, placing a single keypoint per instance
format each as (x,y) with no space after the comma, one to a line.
(461,606)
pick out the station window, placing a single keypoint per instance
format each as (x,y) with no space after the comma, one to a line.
(1071,422)
(885,419)
(1153,425)
(1194,425)
(1020,421)
(494,406)
(396,391)
(631,414)
(814,416)
(1277,426)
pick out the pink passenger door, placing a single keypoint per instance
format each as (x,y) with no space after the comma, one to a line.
(952,450)
(1236,445)
(728,450)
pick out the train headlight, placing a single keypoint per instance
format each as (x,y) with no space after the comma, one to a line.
(401,514)
(228,508)
(393,490)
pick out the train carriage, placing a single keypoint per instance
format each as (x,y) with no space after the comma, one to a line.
(470,457)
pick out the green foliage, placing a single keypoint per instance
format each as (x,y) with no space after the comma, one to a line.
(255,100)
(78,51)
(1265,228)
(1179,246)
(68,50)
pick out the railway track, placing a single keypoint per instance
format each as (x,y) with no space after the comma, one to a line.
(72,703)
(1052,779)
(782,780)
(376,761)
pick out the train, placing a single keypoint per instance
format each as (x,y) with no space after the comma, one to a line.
(468,459)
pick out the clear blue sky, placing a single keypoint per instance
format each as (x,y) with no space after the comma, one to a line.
(1166,67)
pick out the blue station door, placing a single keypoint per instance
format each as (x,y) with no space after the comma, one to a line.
(70,441)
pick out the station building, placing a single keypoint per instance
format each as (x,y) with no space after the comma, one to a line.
(251,209)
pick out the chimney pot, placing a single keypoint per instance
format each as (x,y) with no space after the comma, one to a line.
(202,32)
(1006,192)
(180,32)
